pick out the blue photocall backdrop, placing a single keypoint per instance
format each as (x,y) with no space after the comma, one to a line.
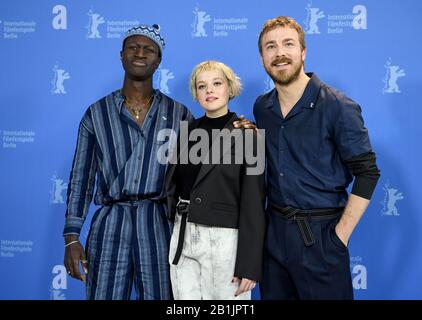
(58,57)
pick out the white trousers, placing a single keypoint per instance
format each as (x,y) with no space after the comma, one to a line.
(206,266)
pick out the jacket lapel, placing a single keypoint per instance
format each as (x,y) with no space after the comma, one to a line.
(169,185)
(206,168)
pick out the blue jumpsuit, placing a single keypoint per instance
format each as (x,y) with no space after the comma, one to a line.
(128,240)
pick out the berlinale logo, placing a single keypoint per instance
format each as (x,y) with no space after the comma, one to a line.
(392,74)
(313,15)
(95,19)
(201,17)
(57,190)
(392,195)
(163,77)
(60,75)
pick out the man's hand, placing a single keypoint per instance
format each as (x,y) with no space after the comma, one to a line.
(74,254)
(244,285)
(244,123)
(342,235)
(353,211)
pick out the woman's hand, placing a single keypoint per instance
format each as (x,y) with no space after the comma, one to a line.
(244,285)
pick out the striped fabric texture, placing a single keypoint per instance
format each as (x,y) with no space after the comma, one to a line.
(128,243)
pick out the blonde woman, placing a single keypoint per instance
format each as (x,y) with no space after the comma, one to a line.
(218,208)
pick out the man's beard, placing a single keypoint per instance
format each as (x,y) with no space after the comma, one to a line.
(284,77)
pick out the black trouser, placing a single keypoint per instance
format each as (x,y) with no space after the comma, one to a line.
(296,268)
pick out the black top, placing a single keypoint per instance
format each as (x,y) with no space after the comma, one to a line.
(227,194)
(186,173)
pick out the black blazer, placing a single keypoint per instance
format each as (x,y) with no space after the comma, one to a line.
(224,195)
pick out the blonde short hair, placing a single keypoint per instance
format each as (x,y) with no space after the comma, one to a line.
(235,86)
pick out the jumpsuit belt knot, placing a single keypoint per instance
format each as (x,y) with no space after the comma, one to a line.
(133,200)
(302,218)
(182,208)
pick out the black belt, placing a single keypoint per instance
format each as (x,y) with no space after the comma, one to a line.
(303,216)
(182,209)
(133,199)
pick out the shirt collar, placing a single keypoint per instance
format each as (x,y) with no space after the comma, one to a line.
(272,98)
(119,98)
(309,97)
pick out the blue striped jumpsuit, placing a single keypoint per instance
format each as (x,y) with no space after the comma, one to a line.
(128,243)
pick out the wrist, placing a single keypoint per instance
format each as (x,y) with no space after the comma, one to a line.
(70,238)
